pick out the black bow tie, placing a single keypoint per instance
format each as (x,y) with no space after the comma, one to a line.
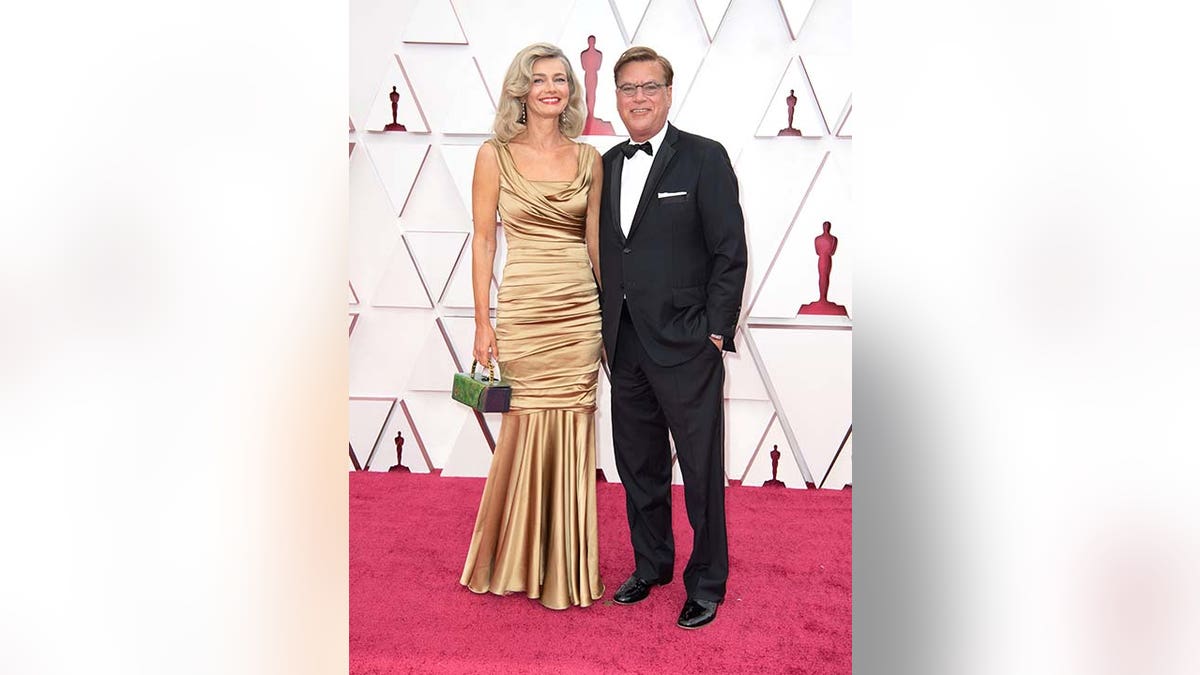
(630,149)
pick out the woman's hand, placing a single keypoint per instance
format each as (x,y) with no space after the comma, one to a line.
(485,344)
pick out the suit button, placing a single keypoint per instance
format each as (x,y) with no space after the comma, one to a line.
(626,250)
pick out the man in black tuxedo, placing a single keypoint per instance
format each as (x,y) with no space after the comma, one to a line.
(673,266)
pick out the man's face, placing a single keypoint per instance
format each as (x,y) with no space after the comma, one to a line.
(643,115)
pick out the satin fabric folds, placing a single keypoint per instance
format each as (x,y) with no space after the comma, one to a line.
(536,528)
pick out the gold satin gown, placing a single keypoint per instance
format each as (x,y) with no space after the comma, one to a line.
(536,528)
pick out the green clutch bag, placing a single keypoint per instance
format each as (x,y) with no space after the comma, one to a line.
(484,392)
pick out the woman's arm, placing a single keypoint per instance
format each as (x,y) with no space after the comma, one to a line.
(485,195)
(592,226)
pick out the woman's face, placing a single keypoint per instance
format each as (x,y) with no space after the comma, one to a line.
(549,88)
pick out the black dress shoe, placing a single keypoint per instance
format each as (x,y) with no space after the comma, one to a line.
(635,590)
(697,613)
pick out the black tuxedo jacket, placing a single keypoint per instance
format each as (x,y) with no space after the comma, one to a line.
(682,268)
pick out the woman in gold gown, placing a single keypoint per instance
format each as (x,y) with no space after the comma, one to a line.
(536,528)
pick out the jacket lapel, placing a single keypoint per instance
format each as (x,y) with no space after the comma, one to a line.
(662,158)
(612,174)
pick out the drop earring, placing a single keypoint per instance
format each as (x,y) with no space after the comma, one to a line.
(522,120)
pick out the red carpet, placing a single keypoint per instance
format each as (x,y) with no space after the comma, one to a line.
(787,608)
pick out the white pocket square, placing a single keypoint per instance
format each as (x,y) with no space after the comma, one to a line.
(664,195)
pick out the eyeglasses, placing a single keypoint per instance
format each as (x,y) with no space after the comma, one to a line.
(649,89)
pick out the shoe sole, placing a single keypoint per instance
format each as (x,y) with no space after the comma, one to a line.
(696,627)
(633,602)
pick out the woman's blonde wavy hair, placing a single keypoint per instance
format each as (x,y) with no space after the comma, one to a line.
(517,84)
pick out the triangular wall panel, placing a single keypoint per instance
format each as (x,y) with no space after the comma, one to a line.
(373,233)
(538,21)
(397,163)
(794,13)
(434,368)
(472,110)
(439,421)
(595,18)
(794,88)
(436,254)
(459,292)
(830,77)
(712,12)
(816,398)
(673,27)
(840,473)
(774,178)
(380,362)
(436,202)
(401,285)
(749,49)
(794,279)
(461,331)
(366,421)
(742,378)
(434,22)
(847,129)
(471,455)
(759,471)
(385,453)
(460,162)
(409,112)
(630,13)
(745,424)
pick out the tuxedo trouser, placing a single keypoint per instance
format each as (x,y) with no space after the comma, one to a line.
(648,400)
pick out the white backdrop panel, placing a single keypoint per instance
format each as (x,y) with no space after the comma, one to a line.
(759,470)
(408,109)
(435,254)
(712,13)
(435,203)
(742,378)
(806,115)
(795,12)
(746,423)
(774,176)
(438,419)
(434,21)
(385,452)
(794,278)
(383,349)
(373,232)
(840,472)
(471,456)
(673,28)
(630,14)
(811,374)
(366,419)
(743,64)
(498,30)
(595,18)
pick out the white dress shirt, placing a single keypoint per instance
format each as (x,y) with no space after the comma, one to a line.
(633,178)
